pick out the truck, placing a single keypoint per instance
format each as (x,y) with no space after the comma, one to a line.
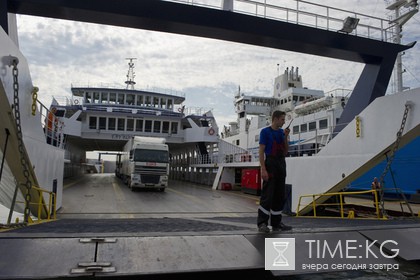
(144,163)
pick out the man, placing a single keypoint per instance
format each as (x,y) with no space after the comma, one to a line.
(272,151)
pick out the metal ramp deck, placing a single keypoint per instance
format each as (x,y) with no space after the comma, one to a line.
(175,248)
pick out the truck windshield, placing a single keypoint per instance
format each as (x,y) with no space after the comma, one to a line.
(151,156)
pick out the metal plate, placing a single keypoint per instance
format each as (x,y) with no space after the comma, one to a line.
(42,258)
(408,240)
(147,255)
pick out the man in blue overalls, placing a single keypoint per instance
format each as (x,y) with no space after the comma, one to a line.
(272,151)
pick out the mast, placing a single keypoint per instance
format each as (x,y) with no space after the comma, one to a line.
(130,75)
(404,10)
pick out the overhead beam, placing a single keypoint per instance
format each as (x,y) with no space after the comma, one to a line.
(3,16)
(211,23)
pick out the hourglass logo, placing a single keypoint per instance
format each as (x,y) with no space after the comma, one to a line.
(280,254)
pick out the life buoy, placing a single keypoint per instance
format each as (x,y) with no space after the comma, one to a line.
(76,101)
(211,131)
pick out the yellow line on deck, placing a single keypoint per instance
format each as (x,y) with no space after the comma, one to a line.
(72,183)
(194,198)
(119,194)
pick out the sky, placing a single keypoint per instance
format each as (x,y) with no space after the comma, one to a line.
(63,53)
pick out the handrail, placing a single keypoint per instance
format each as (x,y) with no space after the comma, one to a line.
(341,203)
(307,13)
(50,207)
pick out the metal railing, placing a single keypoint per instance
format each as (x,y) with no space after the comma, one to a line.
(52,125)
(307,14)
(340,204)
(50,207)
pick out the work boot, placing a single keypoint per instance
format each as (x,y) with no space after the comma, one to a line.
(263,228)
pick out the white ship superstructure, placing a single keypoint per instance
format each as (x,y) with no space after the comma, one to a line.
(105,118)
(312,115)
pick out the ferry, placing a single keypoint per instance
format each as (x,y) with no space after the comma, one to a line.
(105,118)
(313,116)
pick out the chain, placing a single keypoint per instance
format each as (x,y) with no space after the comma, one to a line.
(391,158)
(357,126)
(34,99)
(21,147)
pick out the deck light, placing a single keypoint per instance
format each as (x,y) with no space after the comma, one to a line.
(349,24)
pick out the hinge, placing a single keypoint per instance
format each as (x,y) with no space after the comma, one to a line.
(90,267)
(98,239)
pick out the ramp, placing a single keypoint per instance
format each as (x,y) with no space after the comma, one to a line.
(12,155)
(360,146)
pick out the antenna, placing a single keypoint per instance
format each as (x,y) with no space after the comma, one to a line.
(130,75)
(404,10)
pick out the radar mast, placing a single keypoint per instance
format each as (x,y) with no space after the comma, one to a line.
(130,75)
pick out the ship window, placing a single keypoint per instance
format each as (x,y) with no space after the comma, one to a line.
(304,127)
(163,103)
(104,97)
(130,99)
(174,127)
(156,102)
(112,98)
(295,98)
(312,126)
(139,125)
(156,126)
(102,123)
(296,129)
(139,100)
(130,124)
(165,127)
(147,101)
(170,104)
(96,97)
(88,97)
(121,124)
(121,98)
(92,122)
(323,124)
(111,124)
(148,126)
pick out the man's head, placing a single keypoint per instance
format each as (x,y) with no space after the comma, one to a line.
(278,119)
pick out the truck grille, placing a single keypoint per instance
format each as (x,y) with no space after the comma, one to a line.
(150,170)
(150,179)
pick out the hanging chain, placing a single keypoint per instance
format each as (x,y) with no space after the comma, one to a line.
(21,147)
(390,160)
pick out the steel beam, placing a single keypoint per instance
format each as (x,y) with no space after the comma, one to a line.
(379,56)
(3,16)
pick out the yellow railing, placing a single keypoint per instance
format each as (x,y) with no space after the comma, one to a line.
(313,204)
(50,208)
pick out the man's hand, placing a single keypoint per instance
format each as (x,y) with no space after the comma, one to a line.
(264,174)
(287,132)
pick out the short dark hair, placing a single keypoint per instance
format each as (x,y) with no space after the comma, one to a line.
(277,114)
